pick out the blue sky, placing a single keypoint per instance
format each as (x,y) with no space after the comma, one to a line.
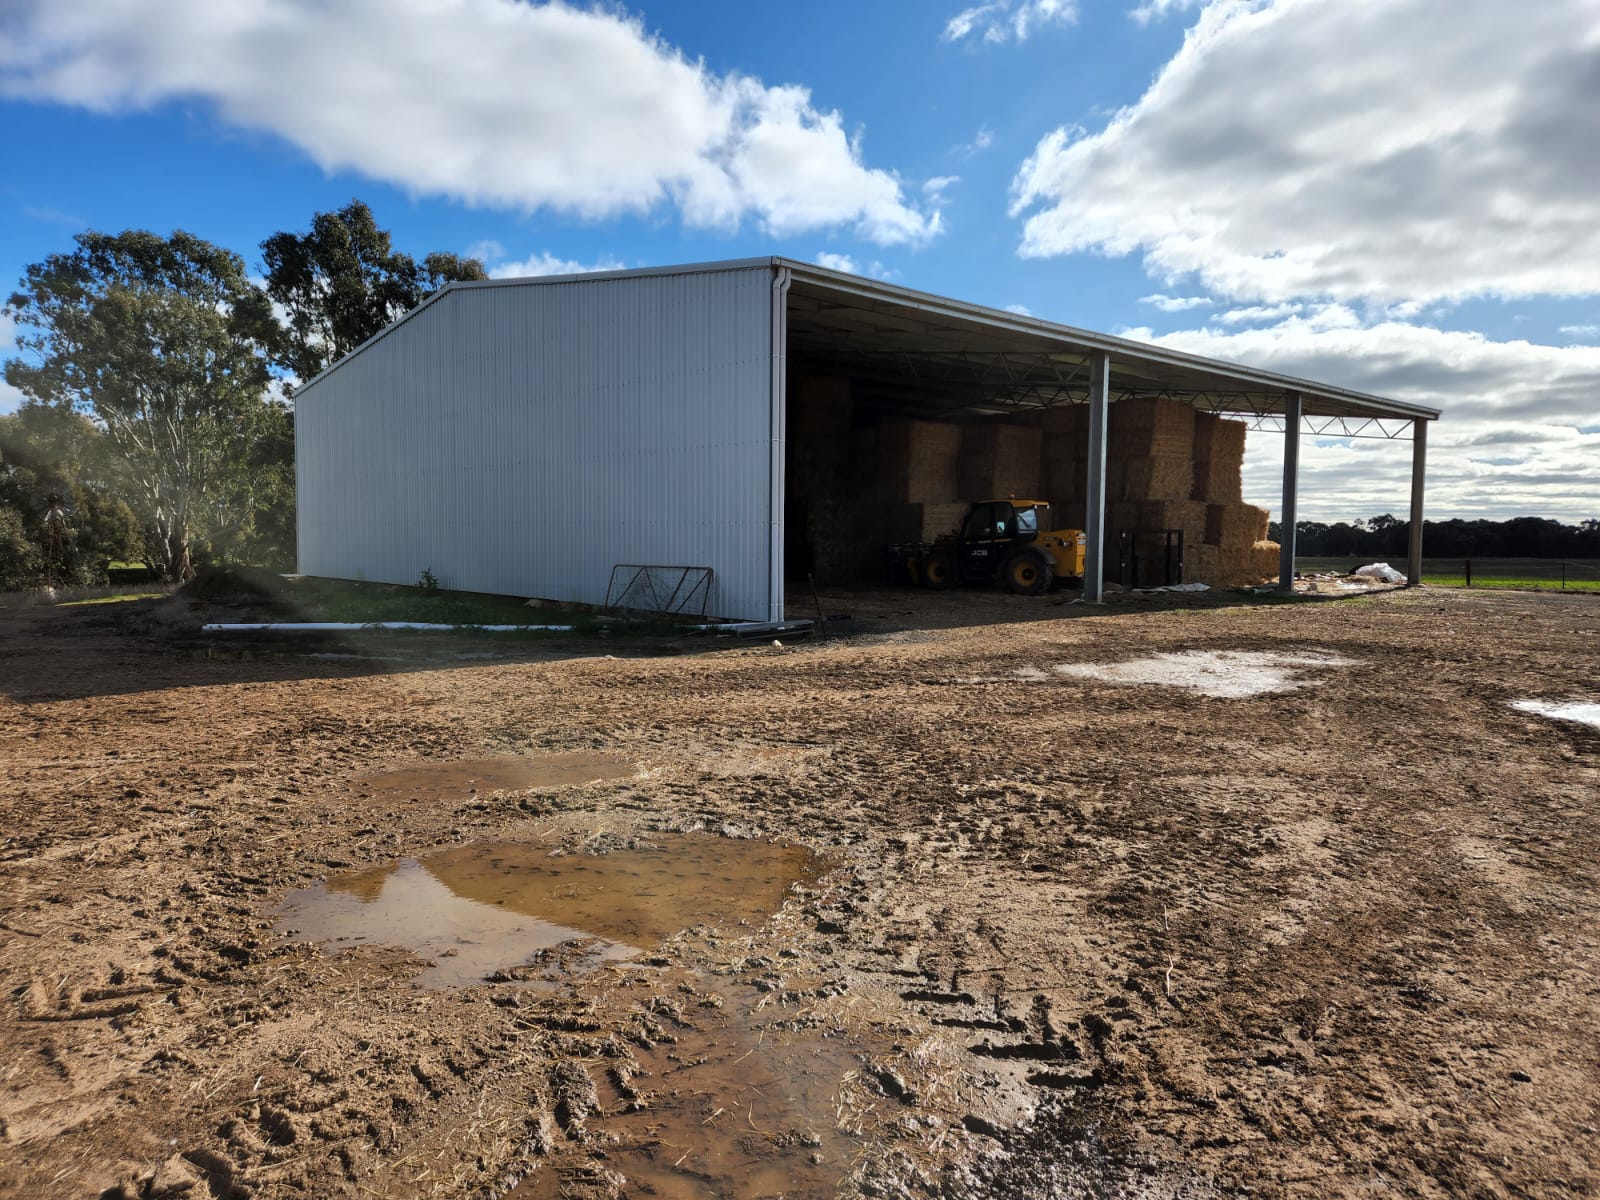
(1396,195)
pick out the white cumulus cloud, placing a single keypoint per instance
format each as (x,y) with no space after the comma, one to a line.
(545,263)
(1007,20)
(1257,314)
(1360,151)
(980,142)
(1174,304)
(1156,10)
(490,102)
(850,266)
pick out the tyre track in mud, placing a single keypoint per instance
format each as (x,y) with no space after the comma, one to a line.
(1327,941)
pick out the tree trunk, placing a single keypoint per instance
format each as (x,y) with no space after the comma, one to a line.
(180,566)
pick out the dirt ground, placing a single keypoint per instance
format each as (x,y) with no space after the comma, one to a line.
(1069,935)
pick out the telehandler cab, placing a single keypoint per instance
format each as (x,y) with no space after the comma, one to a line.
(1001,539)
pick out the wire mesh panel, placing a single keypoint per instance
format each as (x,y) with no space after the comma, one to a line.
(644,587)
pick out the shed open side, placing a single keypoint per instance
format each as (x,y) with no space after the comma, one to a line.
(526,436)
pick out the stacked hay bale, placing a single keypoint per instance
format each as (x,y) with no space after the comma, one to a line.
(1167,467)
(998,460)
(914,478)
(1234,549)
(819,503)
(1218,456)
(1149,467)
(1063,455)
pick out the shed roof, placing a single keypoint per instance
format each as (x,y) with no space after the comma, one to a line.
(918,350)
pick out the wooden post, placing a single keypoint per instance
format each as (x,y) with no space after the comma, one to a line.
(1469,572)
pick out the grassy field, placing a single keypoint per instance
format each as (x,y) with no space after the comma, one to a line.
(1582,574)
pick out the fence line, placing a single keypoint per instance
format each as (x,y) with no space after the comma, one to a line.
(1578,569)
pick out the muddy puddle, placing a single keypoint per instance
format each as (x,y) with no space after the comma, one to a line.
(439,780)
(742,1100)
(1577,710)
(502,911)
(1225,674)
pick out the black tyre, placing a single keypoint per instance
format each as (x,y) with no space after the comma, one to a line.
(939,570)
(1027,572)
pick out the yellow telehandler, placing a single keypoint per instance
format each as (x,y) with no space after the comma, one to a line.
(1007,539)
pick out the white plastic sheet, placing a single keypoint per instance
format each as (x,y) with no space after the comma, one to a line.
(1382,572)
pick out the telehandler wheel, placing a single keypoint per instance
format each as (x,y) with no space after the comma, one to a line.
(1027,572)
(939,570)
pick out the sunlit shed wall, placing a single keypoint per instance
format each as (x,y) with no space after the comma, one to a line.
(523,437)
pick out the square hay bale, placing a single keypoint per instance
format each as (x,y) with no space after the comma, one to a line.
(917,459)
(1152,427)
(998,461)
(921,522)
(1148,477)
(1265,558)
(1218,457)
(1158,514)
(941,518)
(1235,526)
(1224,567)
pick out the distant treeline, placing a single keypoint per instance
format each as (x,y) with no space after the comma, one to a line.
(1387,536)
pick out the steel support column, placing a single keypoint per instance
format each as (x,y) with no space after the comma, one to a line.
(1291,488)
(1094,522)
(778,398)
(1419,462)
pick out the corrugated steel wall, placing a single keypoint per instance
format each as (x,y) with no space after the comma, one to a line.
(523,439)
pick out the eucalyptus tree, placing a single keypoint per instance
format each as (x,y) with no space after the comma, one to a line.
(342,281)
(164,342)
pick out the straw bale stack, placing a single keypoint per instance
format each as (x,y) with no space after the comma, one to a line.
(1167,467)
(916,460)
(1227,567)
(846,539)
(1264,559)
(998,461)
(1063,449)
(819,460)
(1151,427)
(1148,476)
(922,522)
(864,442)
(1218,456)
(1149,450)
(1235,525)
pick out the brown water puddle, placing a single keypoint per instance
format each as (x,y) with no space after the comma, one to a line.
(744,1104)
(437,780)
(478,910)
